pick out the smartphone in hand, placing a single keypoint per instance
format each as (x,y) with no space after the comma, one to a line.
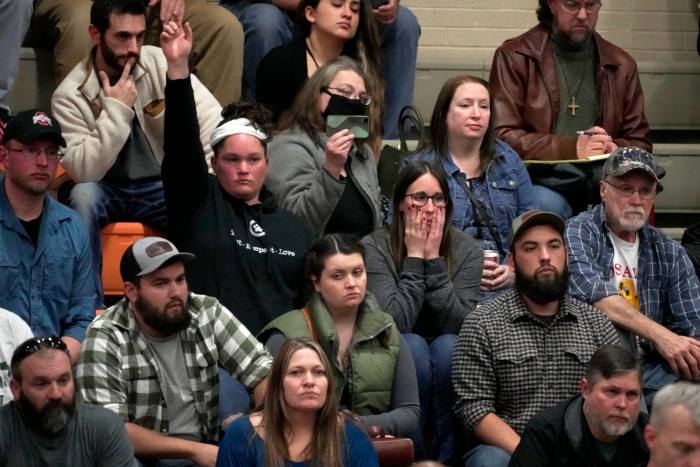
(358,125)
(378,3)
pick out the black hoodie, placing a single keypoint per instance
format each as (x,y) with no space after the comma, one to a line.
(251,257)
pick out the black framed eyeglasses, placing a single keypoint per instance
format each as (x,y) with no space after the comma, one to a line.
(348,93)
(574,7)
(32,153)
(34,345)
(420,198)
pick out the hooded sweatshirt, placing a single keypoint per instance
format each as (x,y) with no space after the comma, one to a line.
(250,257)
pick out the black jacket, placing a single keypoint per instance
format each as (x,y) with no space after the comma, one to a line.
(559,437)
(249,257)
(280,75)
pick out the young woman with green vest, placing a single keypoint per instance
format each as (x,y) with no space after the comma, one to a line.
(372,365)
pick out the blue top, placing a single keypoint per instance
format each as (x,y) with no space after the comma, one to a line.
(51,286)
(243,447)
(509,190)
(668,289)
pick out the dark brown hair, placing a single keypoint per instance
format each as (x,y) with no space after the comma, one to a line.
(408,175)
(438,126)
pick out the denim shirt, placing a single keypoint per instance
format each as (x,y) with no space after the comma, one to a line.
(669,292)
(509,188)
(50,286)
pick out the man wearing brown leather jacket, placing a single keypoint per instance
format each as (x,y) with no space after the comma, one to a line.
(561,77)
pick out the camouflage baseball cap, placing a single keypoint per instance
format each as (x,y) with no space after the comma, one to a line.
(624,160)
(532,218)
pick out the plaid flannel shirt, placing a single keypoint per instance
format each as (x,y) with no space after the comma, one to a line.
(668,289)
(117,369)
(508,362)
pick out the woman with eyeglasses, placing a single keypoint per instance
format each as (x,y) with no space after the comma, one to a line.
(488,182)
(327,177)
(299,423)
(426,275)
(329,29)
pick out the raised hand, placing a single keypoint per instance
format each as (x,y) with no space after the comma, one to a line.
(337,150)
(123,90)
(176,43)
(415,231)
(386,14)
(432,243)
(169,8)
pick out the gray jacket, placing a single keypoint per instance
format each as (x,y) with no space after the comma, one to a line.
(301,184)
(424,297)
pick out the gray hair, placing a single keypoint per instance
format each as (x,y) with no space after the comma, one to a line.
(682,393)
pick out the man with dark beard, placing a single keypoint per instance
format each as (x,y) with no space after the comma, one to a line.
(525,350)
(111,107)
(561,77)
(640,278)
(602,426)
(44,425)
(153,358)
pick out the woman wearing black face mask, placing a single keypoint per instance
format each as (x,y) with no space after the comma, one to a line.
(328,29)
(331,182)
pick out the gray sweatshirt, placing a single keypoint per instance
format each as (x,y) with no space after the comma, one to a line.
(424,297)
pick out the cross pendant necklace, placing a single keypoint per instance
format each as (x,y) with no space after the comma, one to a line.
(573,106)
(572,95)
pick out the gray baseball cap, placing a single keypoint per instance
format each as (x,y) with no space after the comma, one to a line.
(147,255)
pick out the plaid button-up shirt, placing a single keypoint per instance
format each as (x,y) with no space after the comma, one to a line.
(117,369)
(508,362)
(668,289)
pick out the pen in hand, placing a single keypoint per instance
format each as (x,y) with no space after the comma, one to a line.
(586,133)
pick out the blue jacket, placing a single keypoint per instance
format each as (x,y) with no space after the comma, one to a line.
(668,289)
(50,286)
(510,189)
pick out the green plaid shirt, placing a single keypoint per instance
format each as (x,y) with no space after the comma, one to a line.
(117,369)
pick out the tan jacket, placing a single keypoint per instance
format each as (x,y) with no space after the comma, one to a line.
(525,97)
(96,127)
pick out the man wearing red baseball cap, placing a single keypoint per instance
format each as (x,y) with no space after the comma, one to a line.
(46,274)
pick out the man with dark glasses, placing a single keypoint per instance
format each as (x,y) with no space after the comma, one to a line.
(46,274)
(154,358)
(639,277)
(44,425)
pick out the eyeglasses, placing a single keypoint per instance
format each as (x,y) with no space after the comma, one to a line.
(574,7)
(35,344)
(628,191)
(348,93)
(420,198)
(30,152)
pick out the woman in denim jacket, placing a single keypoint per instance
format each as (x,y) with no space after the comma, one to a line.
(488,182)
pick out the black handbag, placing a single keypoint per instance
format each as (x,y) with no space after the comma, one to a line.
(391,156)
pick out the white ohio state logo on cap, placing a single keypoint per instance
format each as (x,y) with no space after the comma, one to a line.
(40,118)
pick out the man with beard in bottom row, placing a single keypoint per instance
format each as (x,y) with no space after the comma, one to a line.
(44,425)
(601,426)
(527,349)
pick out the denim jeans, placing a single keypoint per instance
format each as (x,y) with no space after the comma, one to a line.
(657,374)
(267,27)
(433,374)
(550,200)
(99,204)
(485,455)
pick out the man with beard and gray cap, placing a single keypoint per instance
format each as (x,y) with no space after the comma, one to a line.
(641,279)
(44,425)
(601,426)
(528,348)
(153,358)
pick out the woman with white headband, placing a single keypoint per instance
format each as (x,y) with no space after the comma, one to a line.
(249,252)
(330,181)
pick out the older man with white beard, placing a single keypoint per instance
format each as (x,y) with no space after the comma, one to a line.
(640,278)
